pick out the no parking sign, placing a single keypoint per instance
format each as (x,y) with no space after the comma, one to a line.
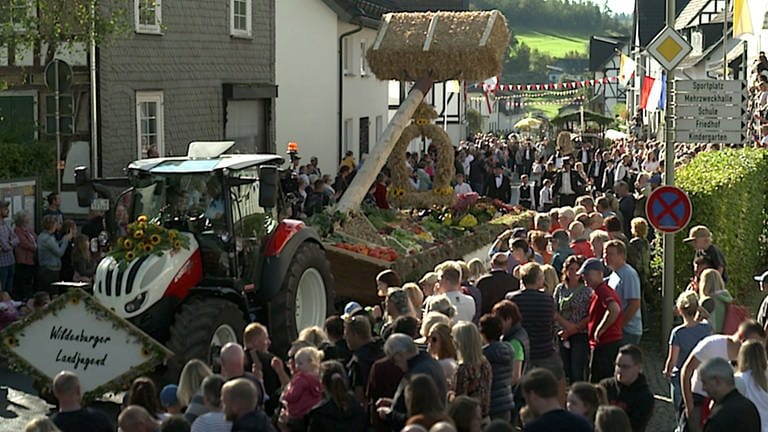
(668,209)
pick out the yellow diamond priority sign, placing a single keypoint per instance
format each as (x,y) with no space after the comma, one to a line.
(669,48)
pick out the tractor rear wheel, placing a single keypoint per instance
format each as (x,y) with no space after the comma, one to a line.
(201,327)
(305,298)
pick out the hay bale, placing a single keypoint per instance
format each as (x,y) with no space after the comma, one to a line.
(440,45)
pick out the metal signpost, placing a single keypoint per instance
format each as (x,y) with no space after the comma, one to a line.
(710,111)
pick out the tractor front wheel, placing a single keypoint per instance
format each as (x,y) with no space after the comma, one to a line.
(305,298)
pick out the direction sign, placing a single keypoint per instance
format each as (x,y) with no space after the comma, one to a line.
(669,48)
(669,209)
(710,136)
(710,86)
(707,111)
(709,123)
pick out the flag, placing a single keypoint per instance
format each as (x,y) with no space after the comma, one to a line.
(742,19)
(654,96)
(490,84)
(645,91)
(626,69)
(663,99)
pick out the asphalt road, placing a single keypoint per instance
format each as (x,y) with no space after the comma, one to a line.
(18,401)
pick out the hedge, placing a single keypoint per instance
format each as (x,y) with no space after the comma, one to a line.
(728,191)
(36,159)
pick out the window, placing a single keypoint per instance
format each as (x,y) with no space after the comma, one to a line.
(149,124)
(15,12)
(363,60)
(379,127)
(148,15)
(66,108)
(364,131)
(348,134)
(346,56)
(240,18)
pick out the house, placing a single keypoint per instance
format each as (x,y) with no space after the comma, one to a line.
(605,61)
(184,71)
(567,69)
(330,102)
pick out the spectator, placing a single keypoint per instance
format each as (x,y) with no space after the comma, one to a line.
(560,249)
(441,346)
(342,181)
(538,312)
(305,390)
(427,283)
(568,185)
(317,200)
(538,241)
(546,196)
(144,394)
(24,282)
(579,243)
(639,256)
(584,399)
(82,261)
(626,206)
(700,238)
(423,403)
(339,410)
(474,374)
(572,300)
(72,416)
(67,272)
(612,419)
(716,346)
(762,313)
(731,411)
(257,342)
(497,283)
(625,281)
(682,340)
(615,231)
(461,187)
(466,414)
(49,253)
(714,298)
(41,424)
(527,193)
(501,357)
(449,286)
(416,298)
(397,304)
(565,216)
(551,279)
(628,389)
(751,379)
(54,208)
(380,192)
(365,350)
(315,336)
(383,381)
(604,321)
(135,418)
(213,419)
(402,350)
(175,423)
(169,399)
(232,358)
(515,335)
(240,399)
(540,388)
(337,347)
(8,242)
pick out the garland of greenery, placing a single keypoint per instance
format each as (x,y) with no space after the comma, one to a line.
(154,352)
(401,193)
(145,237)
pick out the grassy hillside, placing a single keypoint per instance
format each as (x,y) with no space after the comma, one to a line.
(552,43)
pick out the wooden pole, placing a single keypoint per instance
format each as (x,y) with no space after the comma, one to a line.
(377,158)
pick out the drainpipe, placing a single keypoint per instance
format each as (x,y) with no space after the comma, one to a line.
(341,88)
(94,99)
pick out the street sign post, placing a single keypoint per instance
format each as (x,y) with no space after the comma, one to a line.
(669,209)
(669,48)
(710,111)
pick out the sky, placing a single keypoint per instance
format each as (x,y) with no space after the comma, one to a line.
(619,6)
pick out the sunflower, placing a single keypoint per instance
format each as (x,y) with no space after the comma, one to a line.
(172,234)
(138,234)
(11,341)
(142,218)
(129,256)
(177,244)
(148,248)
(128,244)
(145,352)
(154,239)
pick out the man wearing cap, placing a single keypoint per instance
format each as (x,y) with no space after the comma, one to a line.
(700,238)
(8,241)
(568,184)
(603,321)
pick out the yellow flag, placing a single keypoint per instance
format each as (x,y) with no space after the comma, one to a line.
(626,69)
(742,19)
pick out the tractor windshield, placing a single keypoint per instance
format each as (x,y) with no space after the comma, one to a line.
(180,198)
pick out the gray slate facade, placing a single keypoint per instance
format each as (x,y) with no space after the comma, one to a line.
(193,62)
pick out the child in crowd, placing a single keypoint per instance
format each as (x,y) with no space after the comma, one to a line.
(9,311)
(460,186)
(305,389)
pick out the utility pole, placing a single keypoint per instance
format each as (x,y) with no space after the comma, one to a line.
(668,283)
(725,39)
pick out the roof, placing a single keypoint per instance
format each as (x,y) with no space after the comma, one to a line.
(690,13)
(718,19)
(186,165)
(368,12)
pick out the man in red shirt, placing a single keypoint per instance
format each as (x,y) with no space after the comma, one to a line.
(603,323)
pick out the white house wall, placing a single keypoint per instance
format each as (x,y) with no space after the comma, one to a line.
(364,94)
(307,78)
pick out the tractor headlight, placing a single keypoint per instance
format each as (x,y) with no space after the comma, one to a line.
(136,304)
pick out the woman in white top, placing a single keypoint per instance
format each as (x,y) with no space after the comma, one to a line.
(751,378)
(441,346)
(650,164)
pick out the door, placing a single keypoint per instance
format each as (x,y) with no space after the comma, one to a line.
(246,125)
(364,135)
(17,117)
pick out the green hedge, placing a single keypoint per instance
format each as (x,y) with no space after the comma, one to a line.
(728,191)
(36,159)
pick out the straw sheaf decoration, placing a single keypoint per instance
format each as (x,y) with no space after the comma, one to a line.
(564,143)
(401,193)
(440,46)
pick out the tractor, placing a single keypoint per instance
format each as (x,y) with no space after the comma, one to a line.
(243,263)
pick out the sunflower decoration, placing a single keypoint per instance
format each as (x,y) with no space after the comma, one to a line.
(146,237)
(11,341)
(447,190)
(397,192)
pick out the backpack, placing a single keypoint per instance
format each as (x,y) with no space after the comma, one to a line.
(734,315)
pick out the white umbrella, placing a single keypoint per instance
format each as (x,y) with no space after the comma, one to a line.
(613,134)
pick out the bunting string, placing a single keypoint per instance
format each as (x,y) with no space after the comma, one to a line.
(488,87)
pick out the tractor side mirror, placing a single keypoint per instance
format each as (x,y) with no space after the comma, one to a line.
(84,187)
(268,188)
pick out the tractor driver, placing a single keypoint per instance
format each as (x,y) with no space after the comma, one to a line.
(215,210)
